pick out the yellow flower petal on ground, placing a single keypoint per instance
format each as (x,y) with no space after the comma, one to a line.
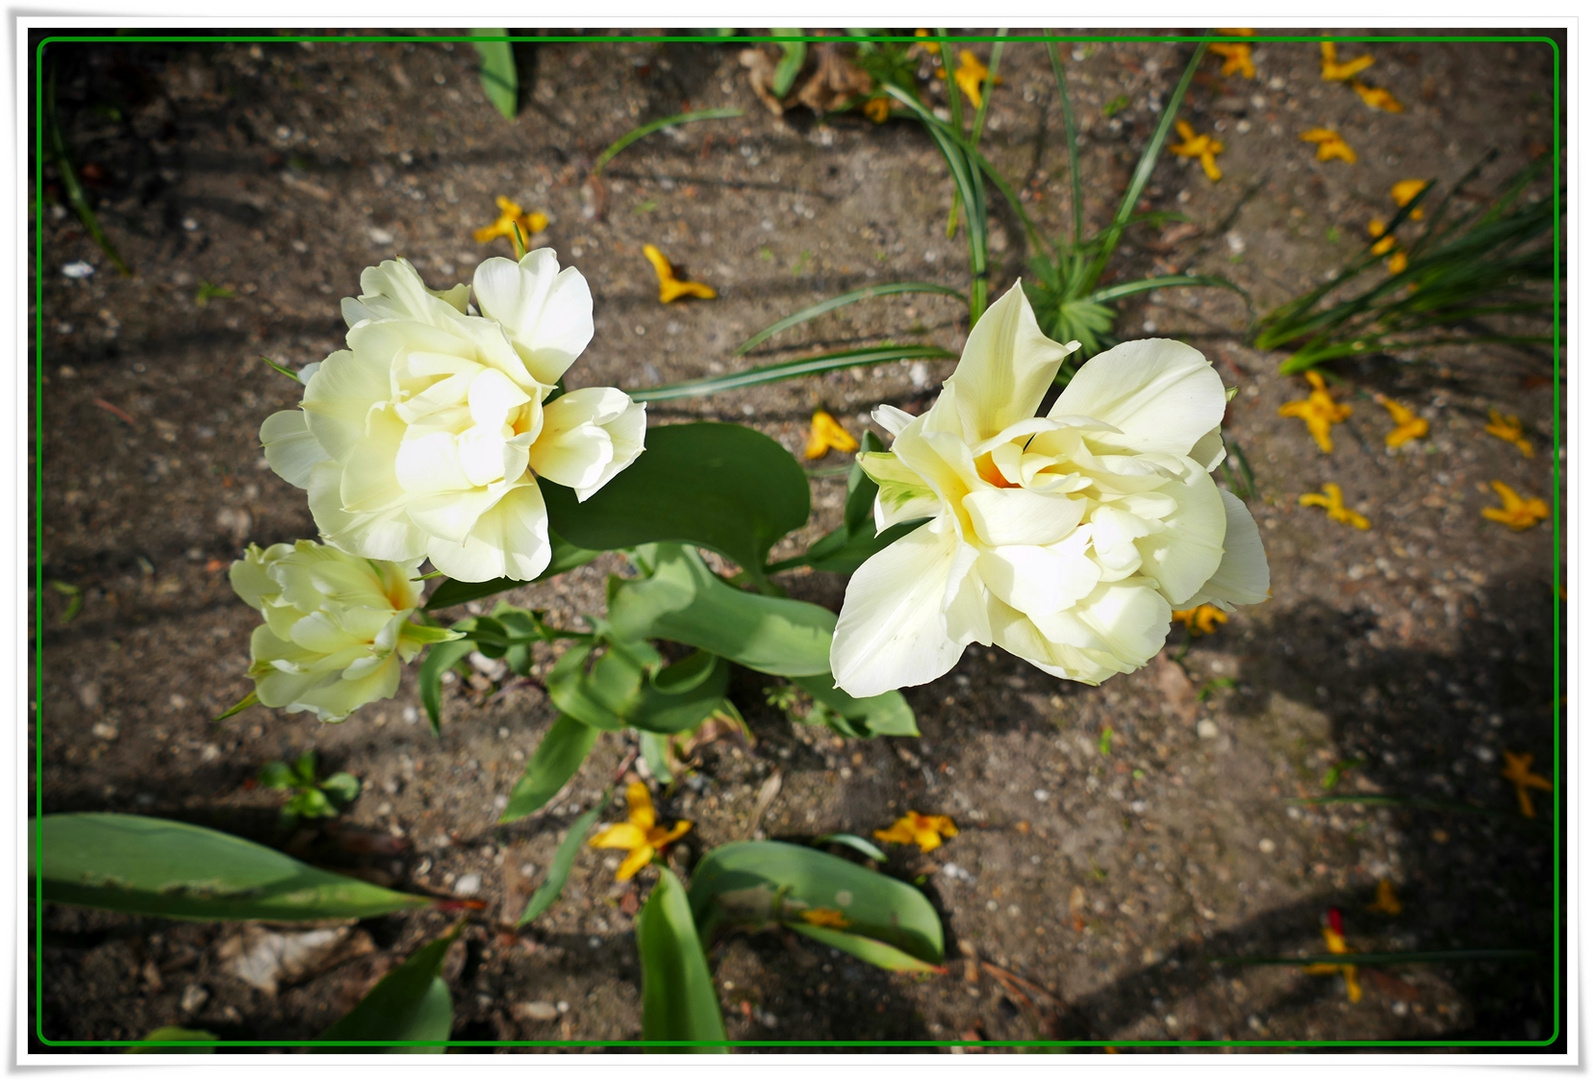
(1406,190)
(1203,147)
(1202,619)
(931,47)
(821,916)
(1386,901)
(511,214)
(1333,71)
(1339,947)
(1518,770)
(970,76)
(641,836)
(827,435)
(1407,425)
(1329,145)
(1397,262)
(1378,227)
(925,830)
(1332,500)
(1377,98)
(1319,411)
(1508,428)
(1518,513)
(877,110)
(670,288)
(1235,58)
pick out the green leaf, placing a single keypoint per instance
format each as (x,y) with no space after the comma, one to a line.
(791,369)
(854,542)
(859,718)
(678,999)
(679,697)
(756,882)
(343,788)
(196,1039)
(557,758)
(719,486)
(149,866)
(438,660)
(309,803)
(823,307)
(682,600)
(595,697)
(655,751)
(657,125)
(853,841)
(499,79)
(250,699)
(566,556)
(793,55)
(410,1004)
(277,775)
(563,860)
(868,950)
(74,190)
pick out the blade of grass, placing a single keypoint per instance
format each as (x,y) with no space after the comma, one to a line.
(868,292)
(1168,281)
(1411,803)
(1442,956)
(1147,164)
(790,369)
(645,130)
(74,190)
(563,862)
(1071,128)
(986,86)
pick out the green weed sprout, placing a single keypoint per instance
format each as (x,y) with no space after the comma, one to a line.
(312,798)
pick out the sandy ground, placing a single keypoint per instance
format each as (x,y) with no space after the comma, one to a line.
(1109,882)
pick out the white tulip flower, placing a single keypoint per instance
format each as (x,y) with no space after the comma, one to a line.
(1066,539)
(425,438)
(336,628)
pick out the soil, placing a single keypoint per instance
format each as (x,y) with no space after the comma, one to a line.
(1116,843)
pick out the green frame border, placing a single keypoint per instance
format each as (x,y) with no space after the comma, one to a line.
(287,39)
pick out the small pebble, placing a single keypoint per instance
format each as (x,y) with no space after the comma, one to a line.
(536,1010)
(469,885)
(77,270)
(1267,847)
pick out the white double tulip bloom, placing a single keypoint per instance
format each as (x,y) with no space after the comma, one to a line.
(1066,539)
(336,628)
(426,437)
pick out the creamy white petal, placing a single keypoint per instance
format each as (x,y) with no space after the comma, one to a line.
(547,312)
(587,437)
(892,628)
(1006,367)
(340,396)
(453,515)
(1183,556)
(1162,394)
(1209,449)
(1016,516)
(1040,580)
(510,540)
(394,290)
(892,419)
(1243,577)
(387,534)
(290,449)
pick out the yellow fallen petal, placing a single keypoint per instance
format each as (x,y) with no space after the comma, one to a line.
(1406,190)
(623,835)
(825,917)
(639,804)
(670,288)
(1376,97)
(827,434)
(634,862)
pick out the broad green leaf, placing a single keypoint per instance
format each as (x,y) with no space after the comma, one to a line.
(719,486)
(499,79)
(682,600)
(853,841)
(410,1004)
(438,660)
(678,999)
(557,758)
(566,556)
(681,696)
(758,882)
(860,718)
(874,952)
(195,1039)
(595,697)
(149,866)
(563,860)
